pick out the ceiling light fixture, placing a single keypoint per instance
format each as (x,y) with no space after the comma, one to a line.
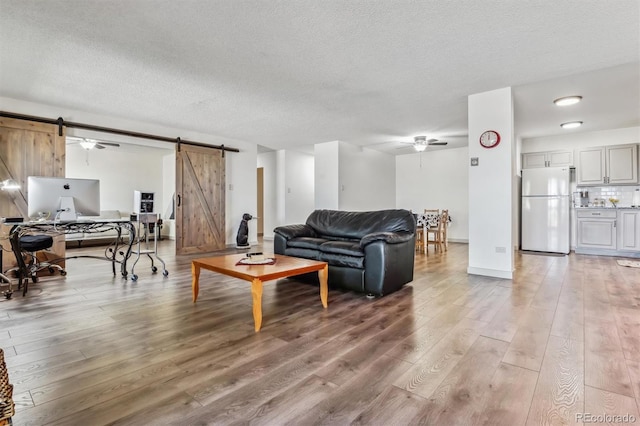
(571,124)
(88,144)
(568,100)
(9,185)
(419,147)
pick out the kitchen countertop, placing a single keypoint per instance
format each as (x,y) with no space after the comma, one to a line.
(606,208)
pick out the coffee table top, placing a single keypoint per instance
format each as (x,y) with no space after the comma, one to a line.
(285,266)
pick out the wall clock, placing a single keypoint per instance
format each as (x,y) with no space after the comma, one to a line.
(490,139)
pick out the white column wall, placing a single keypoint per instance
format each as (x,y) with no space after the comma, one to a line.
(440,180)
(238,165)
(299,186)
(490,185)
(327,175)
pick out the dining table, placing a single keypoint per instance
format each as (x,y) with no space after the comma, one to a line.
(426,221)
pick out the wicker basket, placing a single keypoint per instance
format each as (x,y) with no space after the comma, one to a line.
(7,407)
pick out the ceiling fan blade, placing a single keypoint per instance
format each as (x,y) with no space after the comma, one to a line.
(438,143)
(109,144)
(99,146)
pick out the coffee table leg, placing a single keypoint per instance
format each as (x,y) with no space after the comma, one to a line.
(195,274)
(323,275)
(256,292)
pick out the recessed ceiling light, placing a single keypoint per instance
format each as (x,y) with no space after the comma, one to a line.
(567,100)
(571,124)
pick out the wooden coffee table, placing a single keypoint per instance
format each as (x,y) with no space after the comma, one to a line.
(285,266)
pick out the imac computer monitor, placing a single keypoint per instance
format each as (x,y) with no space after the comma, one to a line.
(57,198)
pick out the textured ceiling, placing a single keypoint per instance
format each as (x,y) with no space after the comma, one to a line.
(285,74)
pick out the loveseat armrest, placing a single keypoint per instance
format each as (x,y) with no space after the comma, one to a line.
(294,231)
(388,237)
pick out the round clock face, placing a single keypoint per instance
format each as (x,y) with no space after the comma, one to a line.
(489,139)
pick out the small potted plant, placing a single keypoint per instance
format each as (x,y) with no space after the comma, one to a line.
(614,201)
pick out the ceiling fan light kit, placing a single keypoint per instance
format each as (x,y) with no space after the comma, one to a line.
(571,124)
(568,100)
(88,144)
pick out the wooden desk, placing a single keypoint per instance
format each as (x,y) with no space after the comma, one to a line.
(285,266)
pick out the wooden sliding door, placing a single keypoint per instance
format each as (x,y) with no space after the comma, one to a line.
(200,199)
(28,149)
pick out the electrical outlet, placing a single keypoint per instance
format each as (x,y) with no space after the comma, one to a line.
(501,249)
(289,190)
(475,161)
(230,187)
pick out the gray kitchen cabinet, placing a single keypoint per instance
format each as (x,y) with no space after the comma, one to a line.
(596,230)
(608,165)
(628,229)
(532,160)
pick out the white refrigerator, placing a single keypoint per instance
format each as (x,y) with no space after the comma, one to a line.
(545,210)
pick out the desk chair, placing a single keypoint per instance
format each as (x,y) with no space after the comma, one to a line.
(28,246)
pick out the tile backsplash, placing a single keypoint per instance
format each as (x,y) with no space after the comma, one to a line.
(622,193)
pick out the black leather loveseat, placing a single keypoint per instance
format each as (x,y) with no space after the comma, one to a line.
(371,252)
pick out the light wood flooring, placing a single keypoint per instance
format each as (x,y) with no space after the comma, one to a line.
(561,339)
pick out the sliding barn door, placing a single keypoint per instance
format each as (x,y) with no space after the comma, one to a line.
(27,149)
(200,206)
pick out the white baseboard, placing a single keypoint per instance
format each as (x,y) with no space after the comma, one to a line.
(458,240)
(490,272)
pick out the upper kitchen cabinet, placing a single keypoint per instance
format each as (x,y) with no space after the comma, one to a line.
(532,160)
(608,165)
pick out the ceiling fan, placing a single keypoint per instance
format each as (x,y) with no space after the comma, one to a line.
(89,144)
(420,143)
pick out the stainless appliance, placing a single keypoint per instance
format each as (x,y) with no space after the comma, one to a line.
(584,198)
(545,210)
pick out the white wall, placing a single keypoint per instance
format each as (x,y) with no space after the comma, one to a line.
(367,178)
(268,161)
(120,171)
(238,165)
(574,140)
(241,191)
(327,175)
(168,194)
(490,185)
(288,188)
(442,182)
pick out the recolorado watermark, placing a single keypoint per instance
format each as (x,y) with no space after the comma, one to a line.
(605,418)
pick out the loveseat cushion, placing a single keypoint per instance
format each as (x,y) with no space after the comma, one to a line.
(335,259)
(307,242)
(349,248)
(355,225)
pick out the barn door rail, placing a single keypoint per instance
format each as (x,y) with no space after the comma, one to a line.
(60,122)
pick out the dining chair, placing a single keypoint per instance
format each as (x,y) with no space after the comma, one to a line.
(444,220)
(433,230)
(420,234)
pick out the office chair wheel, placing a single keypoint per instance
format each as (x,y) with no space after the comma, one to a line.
(134,277)
(154,269)
(7,294)
(51,270)
(165,273)
(34,278)
(63,272)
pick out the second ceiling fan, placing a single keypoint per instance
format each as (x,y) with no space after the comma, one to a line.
(89,144)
